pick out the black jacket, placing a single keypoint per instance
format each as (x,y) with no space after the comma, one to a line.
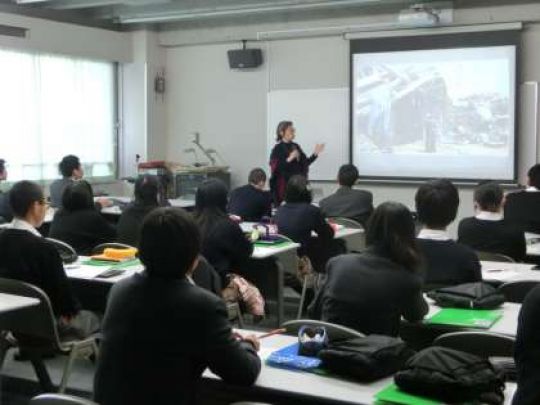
(348,203)
(522,208)
(83,230)
(30,258)
(250,203)
(527,351)
(493,236)
(6,215)
(159,335)
(448,263)
(369,293)
(129,224)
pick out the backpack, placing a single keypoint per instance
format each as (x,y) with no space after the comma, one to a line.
(451,376)
(366,359)
(470,295)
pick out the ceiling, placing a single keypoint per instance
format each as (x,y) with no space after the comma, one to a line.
(124,14)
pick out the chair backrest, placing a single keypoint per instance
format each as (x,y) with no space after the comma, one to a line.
(66,252)
(35,321)
(347,222)
(493,257)
(114,245)
(516,291)
(482,344)
(334,331)
(59,399)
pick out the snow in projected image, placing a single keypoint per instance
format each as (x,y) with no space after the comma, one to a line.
(435,113)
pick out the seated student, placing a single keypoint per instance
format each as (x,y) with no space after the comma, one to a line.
(347,202)
(371,291)
(28,257)
(71,170)
(146,200)
(78,223)
(251,202)
(488,231)
(527,351)
(5,210)
(160,331)
(522,208)
(445,261)
(224,244)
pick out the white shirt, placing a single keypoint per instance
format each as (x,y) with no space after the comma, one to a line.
(489,216)
(433,234)
(23,225)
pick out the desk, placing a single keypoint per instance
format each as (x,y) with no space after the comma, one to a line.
(533,244)
(503,272)
(287,386)
(116,210)
(10,302)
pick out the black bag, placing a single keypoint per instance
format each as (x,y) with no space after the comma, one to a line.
(366,359)
(451,376)
(469,295)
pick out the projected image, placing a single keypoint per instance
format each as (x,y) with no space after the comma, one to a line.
(435,113)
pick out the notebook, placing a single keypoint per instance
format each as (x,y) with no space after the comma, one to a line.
(393,395)
(470,318)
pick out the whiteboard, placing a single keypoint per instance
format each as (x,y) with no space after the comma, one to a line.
(319,116)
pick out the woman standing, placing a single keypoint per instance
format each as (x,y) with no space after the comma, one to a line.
(287,159)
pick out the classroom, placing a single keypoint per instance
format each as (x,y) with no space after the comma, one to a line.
(266,202)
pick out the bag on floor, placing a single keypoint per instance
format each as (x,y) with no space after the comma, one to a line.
(470,295)
(241,290)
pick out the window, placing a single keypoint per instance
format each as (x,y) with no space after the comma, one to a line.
(51,106)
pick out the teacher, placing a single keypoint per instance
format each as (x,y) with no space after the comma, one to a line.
(288,159)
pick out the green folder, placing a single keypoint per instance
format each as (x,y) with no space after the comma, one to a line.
(469,318)
(393,395)
(276,244)
(116,265)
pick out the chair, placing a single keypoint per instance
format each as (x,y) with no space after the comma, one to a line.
(483,344)
(235,313)
(58,399)
(516,291)
(66,252)
(37,335)
(493,257)
(334,331)
(347,222)
(113,245)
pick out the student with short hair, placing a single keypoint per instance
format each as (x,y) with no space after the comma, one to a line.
(78,223)
(347,202)
(28,257)
(522,208)
(252,202)
(224,244)
(371,291)
(488,231)
(160,331)
(5,210)
(446,262)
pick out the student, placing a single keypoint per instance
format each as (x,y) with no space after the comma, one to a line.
(160,331)
(371,291)
(146,200)
(251,202)
(224,244)
(78,223)
(446,262)
(28,257)
(5,210)
(527,351)
(347,202)
(488,231)
(522,208)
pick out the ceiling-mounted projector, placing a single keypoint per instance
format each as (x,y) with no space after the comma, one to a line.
(419,15)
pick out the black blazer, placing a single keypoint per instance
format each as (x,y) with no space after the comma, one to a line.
(448,263)
(348,203)
(493,236)
(30,258)
(159,335)
(83,230)
(6,215)
(129,224)
(369,293)
(527,351)
(522,208)
(250,203)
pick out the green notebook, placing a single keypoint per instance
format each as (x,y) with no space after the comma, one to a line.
(470,318)
(120,265)
(272,244)
(393,395)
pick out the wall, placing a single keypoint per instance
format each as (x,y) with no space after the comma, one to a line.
(228,108)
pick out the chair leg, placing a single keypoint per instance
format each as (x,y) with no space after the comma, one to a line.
(95,352)
(302,298)
(67,369)
(42,374)
(239,316)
